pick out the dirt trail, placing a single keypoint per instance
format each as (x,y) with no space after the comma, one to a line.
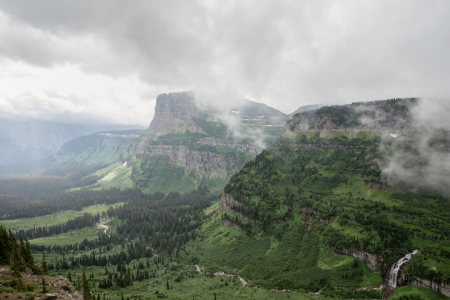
(220,273)
(100,225)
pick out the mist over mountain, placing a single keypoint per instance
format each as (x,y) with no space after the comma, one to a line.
(412,134)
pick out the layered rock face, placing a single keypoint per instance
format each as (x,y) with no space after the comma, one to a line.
(211,141)
(198,139)
(204,162)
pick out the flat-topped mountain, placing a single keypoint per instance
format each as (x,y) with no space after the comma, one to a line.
(189,140)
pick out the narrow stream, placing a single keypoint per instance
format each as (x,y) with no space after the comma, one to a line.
(393,271)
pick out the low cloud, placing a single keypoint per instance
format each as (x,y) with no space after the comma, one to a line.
(421,160)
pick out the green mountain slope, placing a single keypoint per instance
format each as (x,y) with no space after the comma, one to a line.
(287,217)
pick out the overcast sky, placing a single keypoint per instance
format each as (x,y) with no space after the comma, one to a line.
(90,61)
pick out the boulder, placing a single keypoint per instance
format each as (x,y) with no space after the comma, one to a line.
(50,297)
(67,286)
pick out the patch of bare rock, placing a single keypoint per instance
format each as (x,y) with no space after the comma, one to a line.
(58,287)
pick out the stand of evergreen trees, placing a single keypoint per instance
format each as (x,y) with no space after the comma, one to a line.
(86,220)
(15,253)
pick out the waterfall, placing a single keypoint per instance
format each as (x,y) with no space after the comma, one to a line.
(393,271)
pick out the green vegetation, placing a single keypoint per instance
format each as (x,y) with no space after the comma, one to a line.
(211,128)
(183,280)
(70,237)
(295,261)
(417,293)
(54,219)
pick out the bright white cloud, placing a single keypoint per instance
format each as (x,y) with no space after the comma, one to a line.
(107,60)
(65,93)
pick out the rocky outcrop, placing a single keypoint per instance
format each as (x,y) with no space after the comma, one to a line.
(227,202)
(58,287)
(443,287)
(237,227)
(373,261)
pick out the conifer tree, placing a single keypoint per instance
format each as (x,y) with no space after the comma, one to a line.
(44,264)
(22,249)
(4,246)
(86,292)
(15,260)
(44,285)
(29,260)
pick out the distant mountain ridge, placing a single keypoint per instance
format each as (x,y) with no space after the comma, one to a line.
(384,115)
(306,108)
(99,148)
(36,139)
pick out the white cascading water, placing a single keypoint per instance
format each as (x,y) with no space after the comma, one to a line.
(393,271)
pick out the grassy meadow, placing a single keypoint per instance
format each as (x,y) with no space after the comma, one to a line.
(54,219)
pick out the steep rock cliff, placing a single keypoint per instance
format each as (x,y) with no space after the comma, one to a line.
(203,162)
(202,141)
